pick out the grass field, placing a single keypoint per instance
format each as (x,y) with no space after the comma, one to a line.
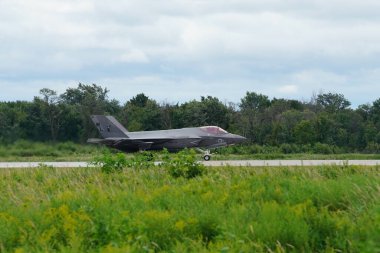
(321,209)
(24,151)
(298,156)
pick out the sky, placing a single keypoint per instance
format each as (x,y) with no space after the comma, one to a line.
(176,51)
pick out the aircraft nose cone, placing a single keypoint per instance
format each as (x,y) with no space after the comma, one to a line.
(237,139)
(241,139)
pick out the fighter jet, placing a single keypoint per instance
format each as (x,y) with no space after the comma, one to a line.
(203,138)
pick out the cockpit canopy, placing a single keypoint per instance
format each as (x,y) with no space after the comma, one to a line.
(213,130)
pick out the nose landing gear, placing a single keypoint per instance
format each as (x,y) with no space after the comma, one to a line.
(207,155)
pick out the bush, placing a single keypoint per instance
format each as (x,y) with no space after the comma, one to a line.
(373,148)
(255,149)
(109,162)
(282,224)
(142,160)
(287,148)
(183,164)
(116,162)
(67,146)
(209,228)
(320,148)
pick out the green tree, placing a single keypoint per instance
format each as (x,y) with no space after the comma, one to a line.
(287,121)
(304,132)
(142,114)
(350,131)
(254,101)
(375,112)
(215,111)
(193,114)
(13,118)
(251,106)
(140,100)
(51,109)
(332,102)
(208,111)
(86,100)
(364,111)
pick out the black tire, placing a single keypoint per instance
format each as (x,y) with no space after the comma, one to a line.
(207,157)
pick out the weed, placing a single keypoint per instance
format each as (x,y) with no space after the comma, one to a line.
(183,164)
(142,160)
(109,162)
(313,209)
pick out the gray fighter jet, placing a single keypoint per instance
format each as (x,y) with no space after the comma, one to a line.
(203,138)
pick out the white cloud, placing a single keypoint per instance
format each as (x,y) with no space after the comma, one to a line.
(319,79)
(288,89)
(135,55)
(280,47)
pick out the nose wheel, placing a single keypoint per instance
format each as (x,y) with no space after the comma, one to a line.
(207,157)
(206,154)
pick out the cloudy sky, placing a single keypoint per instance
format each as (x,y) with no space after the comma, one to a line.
(177,50)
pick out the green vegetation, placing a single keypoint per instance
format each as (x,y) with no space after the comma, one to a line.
(324,125)
(317,151)
(128,204)
(183,164)
(110,163)
(321,209)
(67,151)
(37,151)
(115,162)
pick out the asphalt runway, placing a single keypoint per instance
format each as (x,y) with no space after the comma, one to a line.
(234,163)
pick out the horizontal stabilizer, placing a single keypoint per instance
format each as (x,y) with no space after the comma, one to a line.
(95,140)
(108,141)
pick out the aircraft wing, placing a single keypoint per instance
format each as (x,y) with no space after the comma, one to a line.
(141,143)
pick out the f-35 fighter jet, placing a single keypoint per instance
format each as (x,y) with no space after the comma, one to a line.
(204,138)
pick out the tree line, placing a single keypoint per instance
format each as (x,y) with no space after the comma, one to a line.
(326,119)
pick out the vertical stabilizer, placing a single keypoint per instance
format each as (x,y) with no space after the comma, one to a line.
(109,127)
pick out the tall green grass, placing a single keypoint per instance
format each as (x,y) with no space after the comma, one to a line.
(67,151)
(318,151)
(321,209)
(36,151)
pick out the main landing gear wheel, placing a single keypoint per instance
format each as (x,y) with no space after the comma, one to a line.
(207,157)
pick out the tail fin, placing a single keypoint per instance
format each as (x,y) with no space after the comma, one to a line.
(109,127)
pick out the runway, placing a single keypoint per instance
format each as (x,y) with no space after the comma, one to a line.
(233,163)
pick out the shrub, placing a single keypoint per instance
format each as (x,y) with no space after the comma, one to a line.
(373,148)
(321,148)
(183,164)
(67,147)
(209,228)
(116,162)
(255,149)
(142,160)
(281,223)
(109,162)
(158,227)
(287,148)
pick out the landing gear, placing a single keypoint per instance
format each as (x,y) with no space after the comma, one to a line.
(206,154)
(207,157)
